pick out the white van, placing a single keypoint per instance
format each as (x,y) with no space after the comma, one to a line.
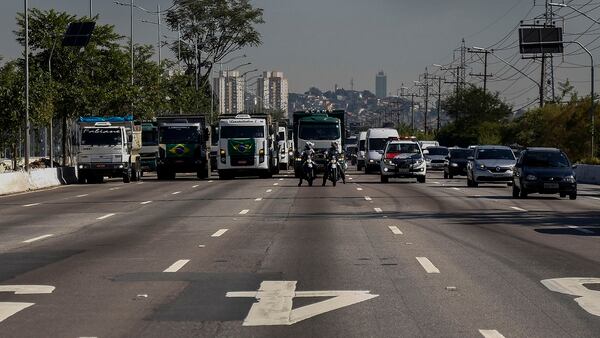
(376,140)
(360,154)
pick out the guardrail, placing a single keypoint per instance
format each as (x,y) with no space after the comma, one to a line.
(588,174)
(20,181)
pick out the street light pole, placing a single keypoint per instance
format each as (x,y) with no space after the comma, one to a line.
(51,152)
(27,125)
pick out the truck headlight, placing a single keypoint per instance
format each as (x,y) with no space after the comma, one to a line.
(222,152)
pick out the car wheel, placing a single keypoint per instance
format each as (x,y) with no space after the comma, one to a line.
(562,195)
(421,179)
(450,176)
(573,196)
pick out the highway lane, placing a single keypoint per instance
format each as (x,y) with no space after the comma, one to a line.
(443,259)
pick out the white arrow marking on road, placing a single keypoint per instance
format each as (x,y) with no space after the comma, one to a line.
(38,238)
(275,301)
(395,230)
(491,334)
(105,216)
(8,309)
(427,265)
(518,209)
(147,202)
(367,198)
(585,231)
(377,209)
(245,211)
(588,299)
(219,233)
(177,265)
(32,204)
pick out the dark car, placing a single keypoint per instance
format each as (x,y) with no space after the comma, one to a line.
(544,171)
(456,162)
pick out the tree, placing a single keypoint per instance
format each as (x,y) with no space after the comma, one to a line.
(12,107)
(217,27)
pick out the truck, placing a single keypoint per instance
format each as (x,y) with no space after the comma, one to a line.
(182,146)
(108,147)
(320,127)
(282,142)
(149,152)
(247,146)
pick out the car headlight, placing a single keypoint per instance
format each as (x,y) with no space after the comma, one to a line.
(481,166)
(81,166)
(371,161)
(418,163)
(531,178)
(388,162)
(570,179)
(454,164)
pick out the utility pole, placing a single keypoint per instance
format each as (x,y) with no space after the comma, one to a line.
(485,74)
(91,9)
(547,75)
(27,125)
(439,102)
(131,37)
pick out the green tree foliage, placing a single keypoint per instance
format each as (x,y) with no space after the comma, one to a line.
(478,118)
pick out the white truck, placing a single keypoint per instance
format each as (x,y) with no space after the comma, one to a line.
(108,147)
(283,145)
(247,147)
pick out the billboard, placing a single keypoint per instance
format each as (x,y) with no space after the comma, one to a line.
(540,40)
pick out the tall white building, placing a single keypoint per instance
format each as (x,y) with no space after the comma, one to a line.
(272,92)
(229,90)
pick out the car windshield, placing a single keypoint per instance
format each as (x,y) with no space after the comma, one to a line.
(319,131)
(101,136)
(149,137)
(171,134)
(403,148)
(442,151)
(495,154)
(460,154)
(377,143)
(546,159)
(242,131)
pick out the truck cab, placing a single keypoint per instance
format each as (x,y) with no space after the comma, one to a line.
(376,140)
(149,151)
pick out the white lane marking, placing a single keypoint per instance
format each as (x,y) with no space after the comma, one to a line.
(269,190)
(210,181)
(31,240)
(588,299)
(491,334)
(243,212)
(258,199)
(427,265)
(395,230)
(195,186)
(359,189)
(377,209)
(176,193)
(457,189)
(147,202)
(367,198)
(105,216)
(281,179)
(219,233)
(202,246)
(595,198)
(274,304)
(351,178)
(116,188)
(275,183)
(585,231)
(436,182)
(8,309)
(518,209)
(177,265)
(82,195)
(31,205)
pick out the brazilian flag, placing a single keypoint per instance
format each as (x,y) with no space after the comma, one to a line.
(179,150)
(244,147)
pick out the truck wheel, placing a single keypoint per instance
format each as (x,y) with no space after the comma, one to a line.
(81,179)
(202,173)
(223,175)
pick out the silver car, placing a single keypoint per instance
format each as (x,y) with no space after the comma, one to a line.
(435,157)
(491,164)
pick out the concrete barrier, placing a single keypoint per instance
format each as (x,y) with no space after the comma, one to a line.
(14,182)
(588,174)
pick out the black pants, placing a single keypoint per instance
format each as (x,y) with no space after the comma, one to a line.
(340,170)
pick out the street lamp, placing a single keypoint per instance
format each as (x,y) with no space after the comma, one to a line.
(592,108)
(27,125)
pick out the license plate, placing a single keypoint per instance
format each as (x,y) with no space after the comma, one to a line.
(403,170)
(242,162)
(550,185)
(179,161)
(100,166)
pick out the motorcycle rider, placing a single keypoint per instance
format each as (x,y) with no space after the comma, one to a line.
(306,153)
(333,151)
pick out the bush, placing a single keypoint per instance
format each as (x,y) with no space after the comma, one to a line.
(590,160)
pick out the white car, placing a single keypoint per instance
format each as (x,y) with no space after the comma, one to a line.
(403,159)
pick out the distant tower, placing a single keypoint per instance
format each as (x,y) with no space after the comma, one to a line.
(381,85)
(352,83)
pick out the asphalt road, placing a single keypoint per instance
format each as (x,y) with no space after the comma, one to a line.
(252,257)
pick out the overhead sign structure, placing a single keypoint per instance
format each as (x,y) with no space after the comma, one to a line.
(78,34)
(275,301)
(540,40)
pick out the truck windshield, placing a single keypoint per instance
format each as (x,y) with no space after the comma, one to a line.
(101,136)
(171,134)
(149,137)
(319,131)
(242,131)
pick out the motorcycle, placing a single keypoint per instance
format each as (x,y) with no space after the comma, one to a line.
(333,175)
(309,171)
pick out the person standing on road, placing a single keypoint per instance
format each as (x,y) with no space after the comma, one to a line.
(331,152)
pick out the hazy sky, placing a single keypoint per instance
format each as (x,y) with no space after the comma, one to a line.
(324,42)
